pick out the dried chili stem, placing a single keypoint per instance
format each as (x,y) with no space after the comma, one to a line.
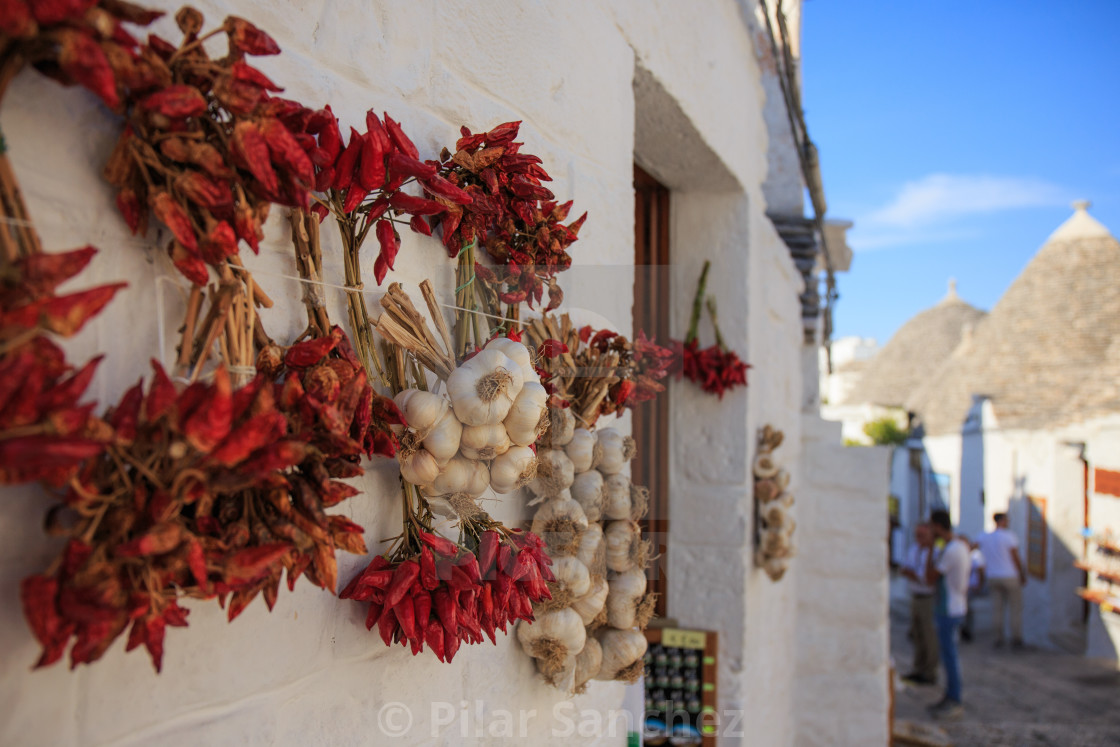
(186,343)
(698,302)
(715,323)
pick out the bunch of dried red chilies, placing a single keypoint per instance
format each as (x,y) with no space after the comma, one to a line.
(444,595)
(208,492)
(715,369)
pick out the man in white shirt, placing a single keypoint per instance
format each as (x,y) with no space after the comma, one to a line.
(923,632)
(1005,578)
(949,570)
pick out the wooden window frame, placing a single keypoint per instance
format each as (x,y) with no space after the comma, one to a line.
(651,314)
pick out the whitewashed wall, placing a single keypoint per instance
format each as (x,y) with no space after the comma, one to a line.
(309,673)
(1103,451)
(842,637)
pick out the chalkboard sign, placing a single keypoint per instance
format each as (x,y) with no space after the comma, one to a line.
(1036,537)
(680,685)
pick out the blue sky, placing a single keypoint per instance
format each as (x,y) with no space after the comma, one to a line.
(955,135)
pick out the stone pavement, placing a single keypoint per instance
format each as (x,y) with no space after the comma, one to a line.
(1024,698)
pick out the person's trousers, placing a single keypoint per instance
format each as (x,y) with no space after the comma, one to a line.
(923,633)
(947,640)
(1007,592)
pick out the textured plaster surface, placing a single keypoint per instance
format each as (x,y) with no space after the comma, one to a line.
(596,84)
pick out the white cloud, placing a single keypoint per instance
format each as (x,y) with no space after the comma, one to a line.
(939,198)
(867,240)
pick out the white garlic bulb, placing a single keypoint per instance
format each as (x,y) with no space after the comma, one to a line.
(560,522)
(592,603)
(421,410)
(526,419)
(484,441)
(582,450)
(625,549)
(587,490)
(518,353)
(616,497)
(555,473)
(626,592)
(622,655)
(552,638)
(483,389)
(442,440)
(419,467)
(513,469)
(572,581)
(561,427)
(592,551)
(588,663)
(562,676)
(617,449)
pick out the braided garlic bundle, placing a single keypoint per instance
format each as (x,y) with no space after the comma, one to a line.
(589,517)
(773,503)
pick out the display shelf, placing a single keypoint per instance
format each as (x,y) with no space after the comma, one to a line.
(1099,598)
(680,684)
(1111,577)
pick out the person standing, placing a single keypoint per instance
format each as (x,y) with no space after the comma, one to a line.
(1006,579)
(949,570)
(975,584)
(923,633)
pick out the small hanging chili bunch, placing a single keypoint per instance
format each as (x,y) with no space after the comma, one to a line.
(715,369)
(45,432)
(207,492)
(511,214)
(76,42)
(599,372)
(432,591)
(364,184)
(205,148)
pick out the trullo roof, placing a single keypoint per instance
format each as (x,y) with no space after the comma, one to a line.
(915,351)
(1044,344)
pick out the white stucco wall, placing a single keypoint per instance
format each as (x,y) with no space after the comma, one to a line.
(309,672)
(841,692)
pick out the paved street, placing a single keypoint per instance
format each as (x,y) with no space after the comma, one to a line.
(1026,698)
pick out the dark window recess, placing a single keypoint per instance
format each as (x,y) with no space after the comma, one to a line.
(651,315)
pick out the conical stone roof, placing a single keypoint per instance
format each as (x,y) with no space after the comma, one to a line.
(915,350)
(1045,342)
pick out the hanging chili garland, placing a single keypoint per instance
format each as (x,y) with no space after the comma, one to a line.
(215,491)
(714,369)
